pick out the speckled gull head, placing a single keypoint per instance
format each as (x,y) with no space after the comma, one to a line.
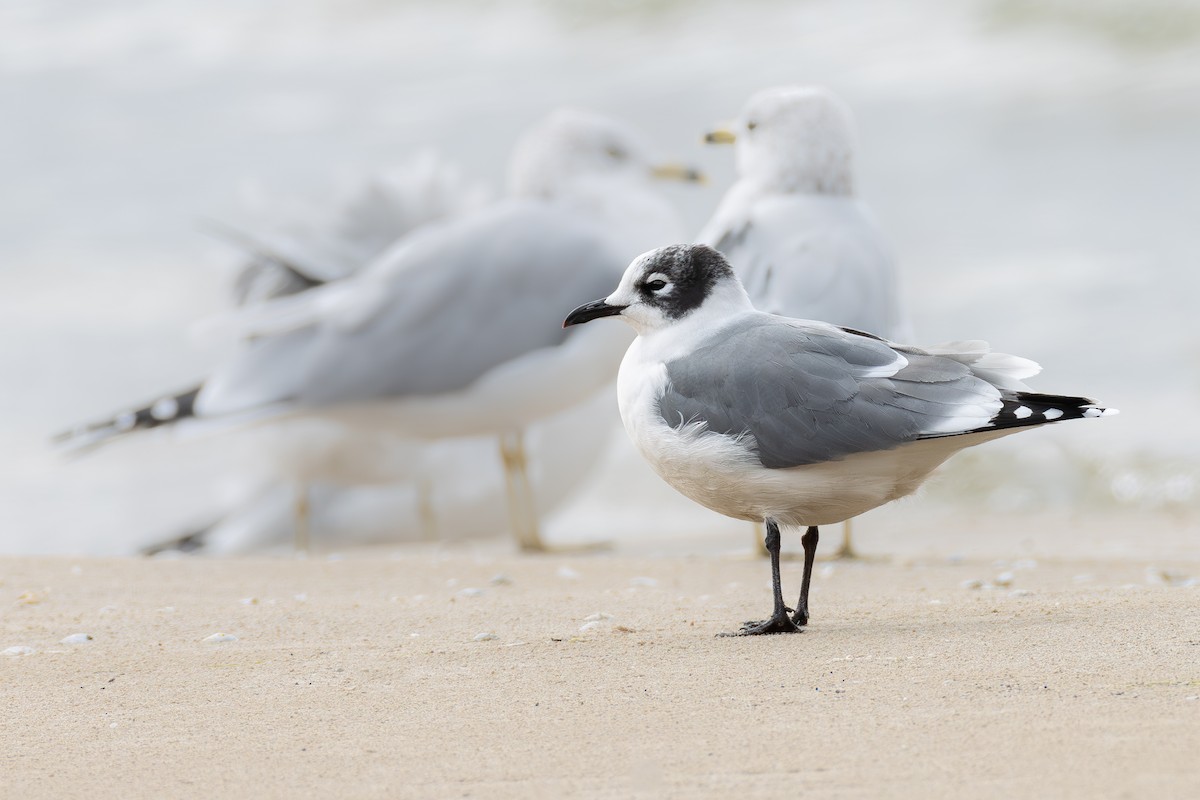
(666,286)
(573,144)
(794,138)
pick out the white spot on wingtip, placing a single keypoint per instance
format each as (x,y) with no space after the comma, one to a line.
(1052,413)
(1100,412)
(164,409)
(1021,412)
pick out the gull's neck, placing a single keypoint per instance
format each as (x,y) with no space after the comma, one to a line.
(635,215)
(799,179)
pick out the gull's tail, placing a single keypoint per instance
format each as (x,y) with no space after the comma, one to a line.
(164,411)
(1029,409)
(187,543)
(1022,409)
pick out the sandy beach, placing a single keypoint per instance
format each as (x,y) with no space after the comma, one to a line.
(600,676)
(1028,626)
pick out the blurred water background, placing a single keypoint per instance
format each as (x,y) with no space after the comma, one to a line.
(1035,164)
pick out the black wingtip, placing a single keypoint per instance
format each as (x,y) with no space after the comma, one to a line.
(1030,408)
(167,410)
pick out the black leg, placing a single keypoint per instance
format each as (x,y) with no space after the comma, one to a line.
(811,537)
(779,622)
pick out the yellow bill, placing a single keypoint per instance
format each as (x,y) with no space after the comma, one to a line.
(720,136)
(678,172)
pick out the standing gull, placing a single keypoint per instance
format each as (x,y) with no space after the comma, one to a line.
(800,240)
(792,422)
(452,331)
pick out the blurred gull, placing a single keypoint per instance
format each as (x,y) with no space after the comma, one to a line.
(803,245)
(453,331)
(801,242)
(793,422)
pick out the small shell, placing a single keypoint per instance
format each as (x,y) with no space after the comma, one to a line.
(590,626)
(77,638)
(485,637)
(1004,579)
(567,574)
(500,579)
(221,637)
(599,615)
(972,583)
(19,650)
(642,580)
(471,591)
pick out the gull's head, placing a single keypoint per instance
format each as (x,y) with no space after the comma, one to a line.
(572,145)
(794,139)
(667,285)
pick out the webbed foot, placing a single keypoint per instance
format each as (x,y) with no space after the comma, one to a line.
(776,624)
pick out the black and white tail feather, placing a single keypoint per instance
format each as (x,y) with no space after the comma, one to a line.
(166,410)
(1028,409)
(1020,407)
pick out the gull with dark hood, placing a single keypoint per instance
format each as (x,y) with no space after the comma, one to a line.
(791,422)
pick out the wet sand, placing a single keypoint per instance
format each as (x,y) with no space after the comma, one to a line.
(362,677)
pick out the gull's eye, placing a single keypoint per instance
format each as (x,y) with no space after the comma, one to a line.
(751,125)
(655,285)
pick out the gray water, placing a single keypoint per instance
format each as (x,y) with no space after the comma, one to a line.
(1035,164)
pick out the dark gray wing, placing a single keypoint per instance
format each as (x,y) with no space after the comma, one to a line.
(470,296)
(808,393)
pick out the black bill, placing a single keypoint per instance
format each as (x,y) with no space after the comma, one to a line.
(590,311)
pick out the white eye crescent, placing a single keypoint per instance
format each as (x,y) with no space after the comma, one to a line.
(655,282)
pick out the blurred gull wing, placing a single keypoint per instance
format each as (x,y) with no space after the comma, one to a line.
(432,316)
(316,245)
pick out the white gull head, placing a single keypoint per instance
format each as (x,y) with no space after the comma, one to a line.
(570,145)
(794,139)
